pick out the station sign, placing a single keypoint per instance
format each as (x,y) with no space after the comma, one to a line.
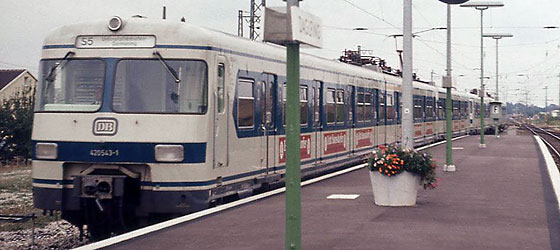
(298,26)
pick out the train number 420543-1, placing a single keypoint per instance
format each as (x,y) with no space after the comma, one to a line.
(103,152)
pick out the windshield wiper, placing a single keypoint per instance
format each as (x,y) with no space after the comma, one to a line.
(52,76)
(170,70)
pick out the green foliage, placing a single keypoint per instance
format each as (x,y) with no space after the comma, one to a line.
(16,121)
(393,160)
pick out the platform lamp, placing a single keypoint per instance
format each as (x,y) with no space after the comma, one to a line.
(497,37)
(482,6)
(448,84)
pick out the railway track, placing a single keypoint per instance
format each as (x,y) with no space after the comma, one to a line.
(550,138)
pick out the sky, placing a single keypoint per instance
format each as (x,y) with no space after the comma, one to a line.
(528,62)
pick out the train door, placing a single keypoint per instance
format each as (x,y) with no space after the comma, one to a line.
(398,120)
(381,128)
(266,95)
(390,128)
(221,128)
(316,116)
(351,122)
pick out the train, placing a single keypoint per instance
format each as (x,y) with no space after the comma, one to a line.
(138,118)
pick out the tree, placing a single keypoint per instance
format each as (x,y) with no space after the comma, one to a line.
(16,121)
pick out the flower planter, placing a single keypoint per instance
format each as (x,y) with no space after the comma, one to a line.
(395,191)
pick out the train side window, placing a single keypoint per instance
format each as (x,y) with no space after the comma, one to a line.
(368,107)
(303,100)
(390,113)
(339,106)
(316,104)
(456,110)
(477,110)
(374,102)
(417,112)
(269,102)
(331,106)
(245,103)
(441,109)
(361,106)
(350,107)
(284,95)
(465,109)
(221,87)
(382,108)
(430,107)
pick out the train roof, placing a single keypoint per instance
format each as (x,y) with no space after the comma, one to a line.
(172,33)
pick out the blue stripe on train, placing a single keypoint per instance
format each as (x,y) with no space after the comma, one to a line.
(118,152)
(202,183)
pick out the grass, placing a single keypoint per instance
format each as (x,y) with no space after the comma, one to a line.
(16,198)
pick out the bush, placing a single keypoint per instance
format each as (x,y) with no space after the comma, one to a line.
(16,121)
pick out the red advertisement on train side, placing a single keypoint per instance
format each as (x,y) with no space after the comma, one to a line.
(429,128)
(304,148)
(418,130)
(363,138)
(334,142)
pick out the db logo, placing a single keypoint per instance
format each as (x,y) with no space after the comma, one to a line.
(105,126)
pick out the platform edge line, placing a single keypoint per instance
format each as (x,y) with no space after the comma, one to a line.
(553,172)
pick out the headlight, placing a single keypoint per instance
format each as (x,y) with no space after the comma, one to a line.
(169,153)
(47,151)
(115,23)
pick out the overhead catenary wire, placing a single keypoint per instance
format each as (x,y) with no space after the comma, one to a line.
(371,14)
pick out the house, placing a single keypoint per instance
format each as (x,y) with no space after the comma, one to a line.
(16,82)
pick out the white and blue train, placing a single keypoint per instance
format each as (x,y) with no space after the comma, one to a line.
(136,118)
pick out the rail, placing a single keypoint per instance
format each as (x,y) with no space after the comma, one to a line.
(534,129)
(21,218)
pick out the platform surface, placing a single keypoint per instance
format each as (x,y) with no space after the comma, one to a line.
(500,197)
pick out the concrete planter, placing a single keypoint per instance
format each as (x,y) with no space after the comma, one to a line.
(395,191)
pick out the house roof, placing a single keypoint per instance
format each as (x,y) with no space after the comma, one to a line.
(8,75)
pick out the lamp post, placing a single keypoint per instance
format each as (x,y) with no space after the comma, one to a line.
(497,37)
(448,84)
(407,119)
(482,6)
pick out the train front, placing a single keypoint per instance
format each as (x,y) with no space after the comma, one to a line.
(120,123)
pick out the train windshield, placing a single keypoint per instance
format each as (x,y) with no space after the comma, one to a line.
(146,86)
(70,85)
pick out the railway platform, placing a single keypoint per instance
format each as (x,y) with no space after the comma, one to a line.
(500,197)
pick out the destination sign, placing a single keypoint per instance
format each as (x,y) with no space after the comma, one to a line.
(97,42)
